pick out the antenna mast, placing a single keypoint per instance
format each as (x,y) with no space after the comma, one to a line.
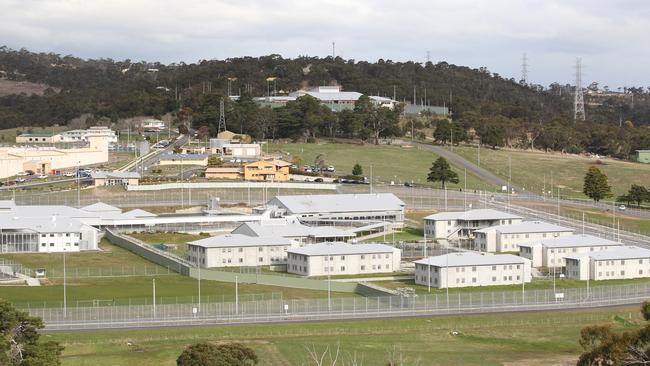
(578,101)
(222,117)
(524,69)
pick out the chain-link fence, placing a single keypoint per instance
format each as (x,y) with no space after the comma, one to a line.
(281,310)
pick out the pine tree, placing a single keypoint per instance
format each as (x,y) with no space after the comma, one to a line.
(595,185)
(441,172)
(357,169)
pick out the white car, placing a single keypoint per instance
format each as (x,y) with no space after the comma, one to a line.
(20,180)
(622,208)
(41,176)
(22,174)
(70,174)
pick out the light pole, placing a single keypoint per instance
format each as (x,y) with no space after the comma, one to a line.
(154,296)
(236,295)
(199,266)
(78,186)
(65,294)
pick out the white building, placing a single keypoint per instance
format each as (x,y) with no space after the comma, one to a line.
(506,238)
(152,125)
(551,252)
(291,228)
(468,269)
(229,150)
(45,234)
(236,250)
(81,135)
(625,262)
(343,208)
(343,259)
(461,225)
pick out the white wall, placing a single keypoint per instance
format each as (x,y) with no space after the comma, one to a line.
(248,256)
(555,257)
(470,276)
(349,264)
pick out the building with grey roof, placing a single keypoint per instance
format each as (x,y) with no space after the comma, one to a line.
(292,228)
(623,262)
(460,225)
(45,234)
(115,178)
(338,258)
(469,269)
(506,238)
(237,250)
(330,209)
(552,252)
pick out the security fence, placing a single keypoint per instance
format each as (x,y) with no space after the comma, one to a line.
(283,310)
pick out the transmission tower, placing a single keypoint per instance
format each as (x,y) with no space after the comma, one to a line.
(524,69)
(578,101)
(222,117)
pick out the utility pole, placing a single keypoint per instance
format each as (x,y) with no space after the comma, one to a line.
(222,117)
(65,289)
(154,297)
(236,295)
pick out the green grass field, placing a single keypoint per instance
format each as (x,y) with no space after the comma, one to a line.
(118,275)
(389,162)
(601,217)
(537,284)
(529,169)
(178,239)
(537,338)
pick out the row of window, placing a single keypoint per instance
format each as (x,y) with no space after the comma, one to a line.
(59,235)
(434,280)
(52,244)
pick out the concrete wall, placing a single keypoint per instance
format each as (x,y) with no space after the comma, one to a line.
(349,264)
(148,252)
(471,276)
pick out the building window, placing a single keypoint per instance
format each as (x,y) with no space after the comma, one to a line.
(363,268)
(342,268)
(261,249)
(241,260)
(342,257)
(494,279)
(473,269)
(261,259)
(622,273)
(241,250)
(363,256)
(473,279)
(494,268)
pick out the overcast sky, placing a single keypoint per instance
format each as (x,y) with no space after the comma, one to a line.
(610,36)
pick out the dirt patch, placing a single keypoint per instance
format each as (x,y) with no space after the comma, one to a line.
(545,360)
(8,87)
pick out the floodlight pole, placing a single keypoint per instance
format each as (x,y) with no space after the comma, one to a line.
(236,295)
(426,259)
(329,279)
(78,186)
(199,266)
(154,296)
(65,294)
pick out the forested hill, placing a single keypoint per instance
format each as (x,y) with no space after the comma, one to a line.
(517,114)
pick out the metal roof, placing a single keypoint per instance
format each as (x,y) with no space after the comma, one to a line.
(100,207)
(625,252)
(172,156)
(338,248)
(292,228)
(139,213)
(43,224)
(572,241)
(238,240)
(526,227)
(473,215)
(330,203)
(115,175)
(471,259)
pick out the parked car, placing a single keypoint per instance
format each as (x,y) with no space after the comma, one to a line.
(69,174)
(20,180)
(318,180)
(21,174)
(622,208)
(41,176)
(29,172)
(331,168)
(408,184)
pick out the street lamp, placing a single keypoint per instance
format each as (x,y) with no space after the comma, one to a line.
(65,294)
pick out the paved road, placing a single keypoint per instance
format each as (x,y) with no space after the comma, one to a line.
(458,160)
(155,158)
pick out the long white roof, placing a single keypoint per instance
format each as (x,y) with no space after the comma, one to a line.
(571,241)
(292,228)
(54,224)
(338,248)
(526,227)
(238,240)
(624,252)
(471,259)
(473,215)
(328,203)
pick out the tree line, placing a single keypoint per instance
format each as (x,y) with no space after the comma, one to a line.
(483,105)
